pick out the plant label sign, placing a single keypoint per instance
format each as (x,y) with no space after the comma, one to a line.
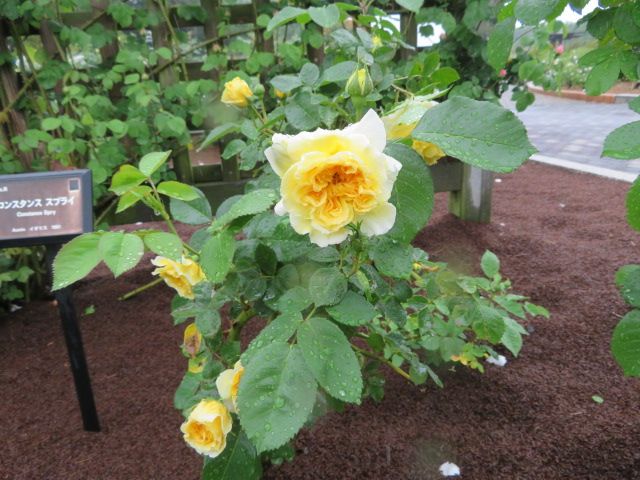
(42,208)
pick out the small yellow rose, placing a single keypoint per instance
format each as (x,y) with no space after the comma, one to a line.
(181,276)
(237,93)
(192,340)
(207,427)
(377,41)
(333,178)
(228,383)
(280,94)
(401,122)
(430,152)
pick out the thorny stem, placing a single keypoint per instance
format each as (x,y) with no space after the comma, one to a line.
(398,370)
(141,289)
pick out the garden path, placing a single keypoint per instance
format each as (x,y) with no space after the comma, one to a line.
(566,131)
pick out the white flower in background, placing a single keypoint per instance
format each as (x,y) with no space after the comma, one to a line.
(334,178)
(448,469)
(501,361)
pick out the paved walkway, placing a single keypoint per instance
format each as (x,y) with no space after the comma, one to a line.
(574,131)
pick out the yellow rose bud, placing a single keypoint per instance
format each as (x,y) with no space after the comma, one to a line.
(196,365)
(280,94)
(360,83)
(207,427)
(237,93)
(331,179)
(228,383)
(377,41)
(181,276)
(401,121)
(430,152)
(192,340)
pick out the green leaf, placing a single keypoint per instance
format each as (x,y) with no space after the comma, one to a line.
(353,310)
(286,15)
(635,104)
(301,113)
(633,205)
(327,286)
(532,12)
(628,282)
(281,329)
(233,148)
(411,5)
(217,133)
(251,203)
(623,142)
(238,460)
(152,162)
(597,399)
(276,396)
(75,260)
(460,127)
(194,212)
(178,190)
(126,178)
(326,16)
(217,256)
(329,355)
(488,324)
(490,264)
(309,74)
(295,299)
(164,244)
(266,259)
(412,193)
(500,43)
(133,196)
(603,76)
(625,343)
(340,72)
(392,258)
(600,22)
(286,83)
(623,23)
(120,251)
(512,336)
(51,123)
(185,395)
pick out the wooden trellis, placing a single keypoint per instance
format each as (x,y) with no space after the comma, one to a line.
(469,187)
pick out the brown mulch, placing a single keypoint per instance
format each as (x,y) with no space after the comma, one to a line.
(560,236)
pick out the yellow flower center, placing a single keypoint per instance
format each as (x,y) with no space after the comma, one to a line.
(335,191)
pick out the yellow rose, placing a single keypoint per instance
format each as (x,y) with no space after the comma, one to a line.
(236,92)
(207,427)
(333,178)
(280,94)
(192,340)
(429,151)
(181,276)
(377,41)
(401,121)
(228,383)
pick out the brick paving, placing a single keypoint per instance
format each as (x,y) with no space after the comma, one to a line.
(574,130)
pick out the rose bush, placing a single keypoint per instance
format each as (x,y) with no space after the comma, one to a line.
(318,248)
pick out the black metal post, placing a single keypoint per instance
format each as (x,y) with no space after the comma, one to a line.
(75,350)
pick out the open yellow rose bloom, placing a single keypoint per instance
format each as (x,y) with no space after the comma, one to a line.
(207,427)
(181,276)
(228,383)
(237,93)
(334,178)
(401,122)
